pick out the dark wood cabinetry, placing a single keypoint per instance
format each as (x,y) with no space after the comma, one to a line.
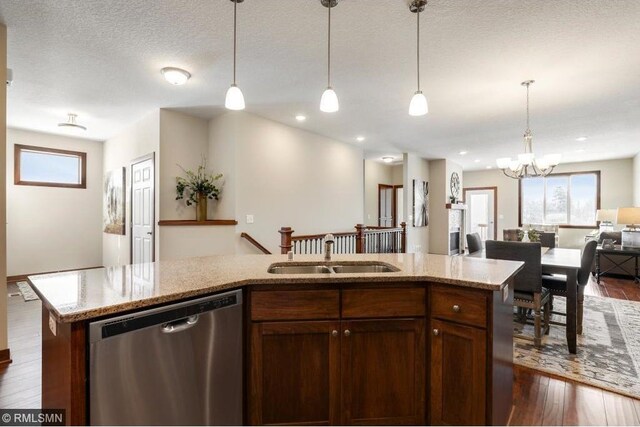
(458,374)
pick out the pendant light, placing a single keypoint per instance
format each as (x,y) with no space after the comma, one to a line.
(234,99)
(418,105)
(71,123)
(329,101)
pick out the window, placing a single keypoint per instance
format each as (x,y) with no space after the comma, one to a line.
(568,200)
(49,167)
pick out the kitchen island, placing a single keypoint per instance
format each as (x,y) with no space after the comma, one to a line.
(427,343)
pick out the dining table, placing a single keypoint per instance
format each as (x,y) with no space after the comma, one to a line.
(566,262)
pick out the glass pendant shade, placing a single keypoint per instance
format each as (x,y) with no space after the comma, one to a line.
(329,101)
(418,105)
(526,158)
(503,163)
(234,99)
(553,159)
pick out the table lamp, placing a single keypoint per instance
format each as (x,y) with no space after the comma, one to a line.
(606,217)
(631,234)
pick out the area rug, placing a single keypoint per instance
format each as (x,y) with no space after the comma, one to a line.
(27,293)
(608,350)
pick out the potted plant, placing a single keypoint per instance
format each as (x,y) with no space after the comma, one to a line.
(196,188)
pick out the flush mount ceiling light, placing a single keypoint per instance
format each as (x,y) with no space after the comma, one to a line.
(526,165)
(301,117)
(175,76)
(71,123)
(462,153)
(235,98)
(329,101)
(387,159)
(418,105)
(581,138)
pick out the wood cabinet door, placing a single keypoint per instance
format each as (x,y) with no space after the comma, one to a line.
(295,373)
(383,372)
(458,374)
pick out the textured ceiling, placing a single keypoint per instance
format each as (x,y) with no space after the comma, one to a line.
(101,60)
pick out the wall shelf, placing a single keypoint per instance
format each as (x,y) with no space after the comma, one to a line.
(456,206)
(187,222)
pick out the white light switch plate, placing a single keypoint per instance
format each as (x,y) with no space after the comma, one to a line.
(52,325)
(249,219)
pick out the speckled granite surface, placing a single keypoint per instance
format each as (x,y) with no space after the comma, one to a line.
(86,294)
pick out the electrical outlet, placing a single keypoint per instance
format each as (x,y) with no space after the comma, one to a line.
(249,219)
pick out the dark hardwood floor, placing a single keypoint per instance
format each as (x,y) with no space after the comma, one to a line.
(538,398)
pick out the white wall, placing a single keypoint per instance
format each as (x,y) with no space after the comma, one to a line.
(140,139)
(415,167)
(636,180)
(52,228)
(284,176)
(3,199)
(183,141)
(616,191)
(377,173)
(439,191)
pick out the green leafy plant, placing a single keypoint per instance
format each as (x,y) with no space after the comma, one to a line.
(195,185)
(534,235)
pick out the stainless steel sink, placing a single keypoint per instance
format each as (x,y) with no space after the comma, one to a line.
(299,269)
(331,269)
(363,268)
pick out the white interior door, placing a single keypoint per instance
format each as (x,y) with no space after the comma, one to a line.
(385,205)
(142,211)
(399,206)
(480,216)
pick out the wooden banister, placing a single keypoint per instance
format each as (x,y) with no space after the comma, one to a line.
(360,239)
(255,243)
(285,239)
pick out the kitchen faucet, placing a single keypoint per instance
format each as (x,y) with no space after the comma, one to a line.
(328,242)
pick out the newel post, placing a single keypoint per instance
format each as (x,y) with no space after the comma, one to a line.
(285,239)
(360,239)
(403,237)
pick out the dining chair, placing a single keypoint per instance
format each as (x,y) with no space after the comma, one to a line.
(548,240)
(557,284)
(474,242)
(528,290)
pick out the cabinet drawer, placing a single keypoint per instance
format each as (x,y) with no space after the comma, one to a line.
(383,302)
(462,306)
(295,305)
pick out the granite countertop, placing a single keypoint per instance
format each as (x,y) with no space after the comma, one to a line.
(86,294)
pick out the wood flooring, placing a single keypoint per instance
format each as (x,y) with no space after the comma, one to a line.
(539,399)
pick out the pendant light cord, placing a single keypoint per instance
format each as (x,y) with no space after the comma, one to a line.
(235,24)
(528,129)
(329,48)
(418,47)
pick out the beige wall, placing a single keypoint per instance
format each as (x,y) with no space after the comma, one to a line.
(415,167)
(636,180)
(3,184)
(616,191)
(439,192)
(138,140)
(284,176)
(51,228)
(377,173)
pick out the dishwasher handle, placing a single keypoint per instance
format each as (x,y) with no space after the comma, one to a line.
(180,325)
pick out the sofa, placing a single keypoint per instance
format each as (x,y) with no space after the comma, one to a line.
(606,264)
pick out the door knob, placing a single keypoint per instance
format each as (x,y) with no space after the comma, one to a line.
(347,332)
(334,333)
(436,332)
(456,308)
(149,233)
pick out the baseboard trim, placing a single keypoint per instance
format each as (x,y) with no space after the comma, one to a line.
(23,277)
(5,357)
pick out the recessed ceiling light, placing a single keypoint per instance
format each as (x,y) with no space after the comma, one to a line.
(581,138)
(175,76)
(301,117)
(476,161)
(489,167)
(581,150)
(387,159)
(360,138)
(462,153)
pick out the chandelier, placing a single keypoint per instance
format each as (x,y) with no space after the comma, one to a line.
(526,165)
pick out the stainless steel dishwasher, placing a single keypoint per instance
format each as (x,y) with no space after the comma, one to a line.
(174,365)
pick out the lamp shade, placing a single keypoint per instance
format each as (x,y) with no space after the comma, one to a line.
(329,101)
(607,215)
(629,216)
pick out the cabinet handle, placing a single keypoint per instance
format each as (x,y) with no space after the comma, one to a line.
(347,332)
(334,333)
(436,332)
(456,308)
